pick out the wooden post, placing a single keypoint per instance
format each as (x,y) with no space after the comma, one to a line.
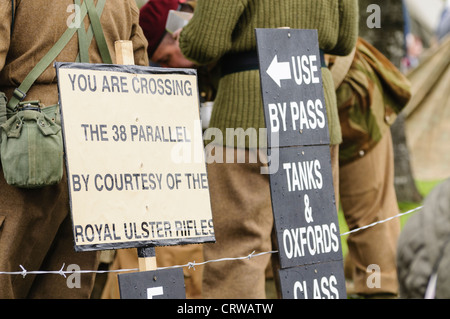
(124,52)
(147,258)
(125,56)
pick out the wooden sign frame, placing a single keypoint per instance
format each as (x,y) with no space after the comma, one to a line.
(134,156)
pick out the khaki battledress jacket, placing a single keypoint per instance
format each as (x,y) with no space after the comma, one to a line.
(35,226)
(219,28)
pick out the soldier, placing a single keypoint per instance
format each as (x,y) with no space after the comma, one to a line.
(35,224)
(224,31)
(370,91)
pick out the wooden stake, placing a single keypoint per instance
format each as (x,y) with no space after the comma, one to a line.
(147,258)
(125,56)
(124,52)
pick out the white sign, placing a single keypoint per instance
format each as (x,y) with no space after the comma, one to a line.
(134,155)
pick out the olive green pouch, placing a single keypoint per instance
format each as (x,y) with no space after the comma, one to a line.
(32,146)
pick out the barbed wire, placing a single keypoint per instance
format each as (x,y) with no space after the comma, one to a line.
(190,265)
(193,264)
(382,221)
(61,272)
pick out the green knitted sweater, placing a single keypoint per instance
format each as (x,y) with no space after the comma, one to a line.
(219,27)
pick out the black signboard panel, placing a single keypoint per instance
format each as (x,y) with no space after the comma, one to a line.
(301,180)
(157,284)
(318,281)
(304,206)
(292,89)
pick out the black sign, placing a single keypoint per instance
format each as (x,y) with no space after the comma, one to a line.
(318,281)
(301,181)
(158,284)
(292,90)
(304,206)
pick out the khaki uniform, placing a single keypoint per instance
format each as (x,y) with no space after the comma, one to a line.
(240,196)
(368,97)
(35,225)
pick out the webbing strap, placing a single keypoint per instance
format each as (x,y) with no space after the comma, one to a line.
(82,39)
(20,92)
(98,32)
(89,34)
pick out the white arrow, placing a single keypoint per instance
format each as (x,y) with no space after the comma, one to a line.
(155,291)
(279,71)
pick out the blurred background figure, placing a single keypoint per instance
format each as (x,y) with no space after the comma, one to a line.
(423,257)
(427,114)
(443,27)
(426,24)
(164,49)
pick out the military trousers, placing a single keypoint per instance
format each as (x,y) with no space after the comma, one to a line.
(36,233)
(367,195)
